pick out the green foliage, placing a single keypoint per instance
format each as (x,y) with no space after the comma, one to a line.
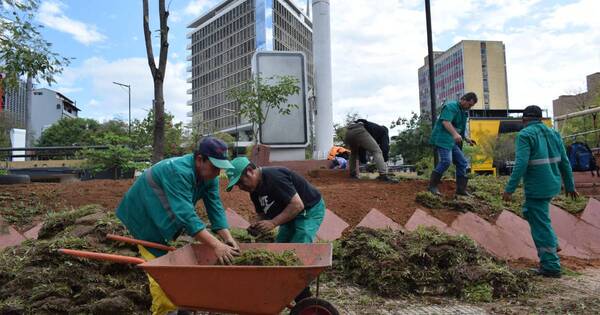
(117,157)
(3,171)
(259,96)
(70,131)
(340,129)
(482,292)
(7,122)
(142,135)
(412,142)
(23,50)
(262,257)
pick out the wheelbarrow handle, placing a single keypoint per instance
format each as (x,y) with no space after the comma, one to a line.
(134,241)
(101,256)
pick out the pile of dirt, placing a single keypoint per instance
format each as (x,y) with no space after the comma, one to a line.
(261,257)
(36,279)
(424,262)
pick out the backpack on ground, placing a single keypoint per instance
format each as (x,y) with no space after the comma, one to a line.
(581,157)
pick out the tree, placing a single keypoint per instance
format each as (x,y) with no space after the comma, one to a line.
(257,98)
(70,131)
(7,122)
(341,128)
(158,75)
(412,142)
(142,134)
(23,50)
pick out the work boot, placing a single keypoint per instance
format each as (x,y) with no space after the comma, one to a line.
(545,273)
(461,186)
(354,175)
(387,178)
(434,181)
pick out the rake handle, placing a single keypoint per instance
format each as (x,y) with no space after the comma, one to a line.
(103,257)
(134,241)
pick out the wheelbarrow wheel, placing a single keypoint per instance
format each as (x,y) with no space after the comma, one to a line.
(314,306)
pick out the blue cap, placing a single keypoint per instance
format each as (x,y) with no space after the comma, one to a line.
(216,151)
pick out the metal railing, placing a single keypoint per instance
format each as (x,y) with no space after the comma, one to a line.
(45,153)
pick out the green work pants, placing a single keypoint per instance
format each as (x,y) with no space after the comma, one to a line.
(537,213)
(304,228)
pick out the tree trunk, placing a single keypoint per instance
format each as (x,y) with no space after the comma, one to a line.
(158,74)
(158,142)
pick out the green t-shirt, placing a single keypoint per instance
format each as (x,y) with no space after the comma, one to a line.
(452,112)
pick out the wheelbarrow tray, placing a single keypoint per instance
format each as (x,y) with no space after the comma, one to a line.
(190,278)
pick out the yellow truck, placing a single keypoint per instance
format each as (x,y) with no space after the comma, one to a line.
(486,126)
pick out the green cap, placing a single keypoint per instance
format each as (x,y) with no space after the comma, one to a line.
(233,174)
(218,163)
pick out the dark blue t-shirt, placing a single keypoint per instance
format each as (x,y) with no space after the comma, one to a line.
(276,189)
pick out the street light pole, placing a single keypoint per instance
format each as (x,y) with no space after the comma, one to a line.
(431,72)
(129,93)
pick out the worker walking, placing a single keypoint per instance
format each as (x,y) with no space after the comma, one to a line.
(161,205)
(447,136)
(541,160)
(363,136)
(281,199)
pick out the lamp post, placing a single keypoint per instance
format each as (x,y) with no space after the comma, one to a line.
(431,72)
(237,134)
(129,93)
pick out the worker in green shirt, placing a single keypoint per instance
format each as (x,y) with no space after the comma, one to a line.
(541,160)
(447,136)
(161,204)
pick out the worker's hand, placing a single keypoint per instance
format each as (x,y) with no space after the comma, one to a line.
(573,194)
(506,196)
(225,253)
(233,244)
(457,139)
(471,142)
(264,226)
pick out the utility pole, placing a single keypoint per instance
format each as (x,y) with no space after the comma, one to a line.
(431,72)
(128,92)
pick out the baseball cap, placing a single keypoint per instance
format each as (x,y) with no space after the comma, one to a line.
(233,174)
(532,111)
(216,151)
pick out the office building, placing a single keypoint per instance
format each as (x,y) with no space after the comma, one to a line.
(13,101)
(469,66)
(223,41)
(566,104)
(48,107)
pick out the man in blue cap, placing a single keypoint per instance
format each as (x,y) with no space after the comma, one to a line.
(541,160)
(282,199)
(161,205)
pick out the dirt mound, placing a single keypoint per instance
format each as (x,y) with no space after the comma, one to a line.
(36,279)
(261,257)
(424,262)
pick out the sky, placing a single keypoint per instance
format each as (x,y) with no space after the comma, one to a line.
(377,48)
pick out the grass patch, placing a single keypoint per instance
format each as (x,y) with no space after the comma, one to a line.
(36,279)
(242,236)
(261,257)
(424,262)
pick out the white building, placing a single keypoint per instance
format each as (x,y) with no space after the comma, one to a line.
(48,107)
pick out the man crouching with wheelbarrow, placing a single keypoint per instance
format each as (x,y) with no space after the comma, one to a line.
(161,205)
(282,199)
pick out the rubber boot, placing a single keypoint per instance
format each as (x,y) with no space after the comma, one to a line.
(461,186)
(387,178)
(434,181)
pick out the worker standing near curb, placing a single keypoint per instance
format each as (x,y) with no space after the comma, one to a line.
(541,160)
(161,205)
(447,136)
(281,199)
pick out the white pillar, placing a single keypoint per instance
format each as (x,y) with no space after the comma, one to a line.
(322,76)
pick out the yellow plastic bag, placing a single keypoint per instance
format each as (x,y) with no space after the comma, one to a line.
(161,304)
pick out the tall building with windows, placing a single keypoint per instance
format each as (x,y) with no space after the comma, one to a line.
(469,66)
(223,41)
(13,101)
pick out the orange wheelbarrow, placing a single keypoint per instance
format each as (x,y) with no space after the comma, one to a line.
(190,278)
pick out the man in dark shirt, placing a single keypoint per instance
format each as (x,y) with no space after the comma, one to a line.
(281,198)
(364,136)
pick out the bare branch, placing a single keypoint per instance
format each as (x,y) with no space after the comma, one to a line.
(164,35)
(148,39)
